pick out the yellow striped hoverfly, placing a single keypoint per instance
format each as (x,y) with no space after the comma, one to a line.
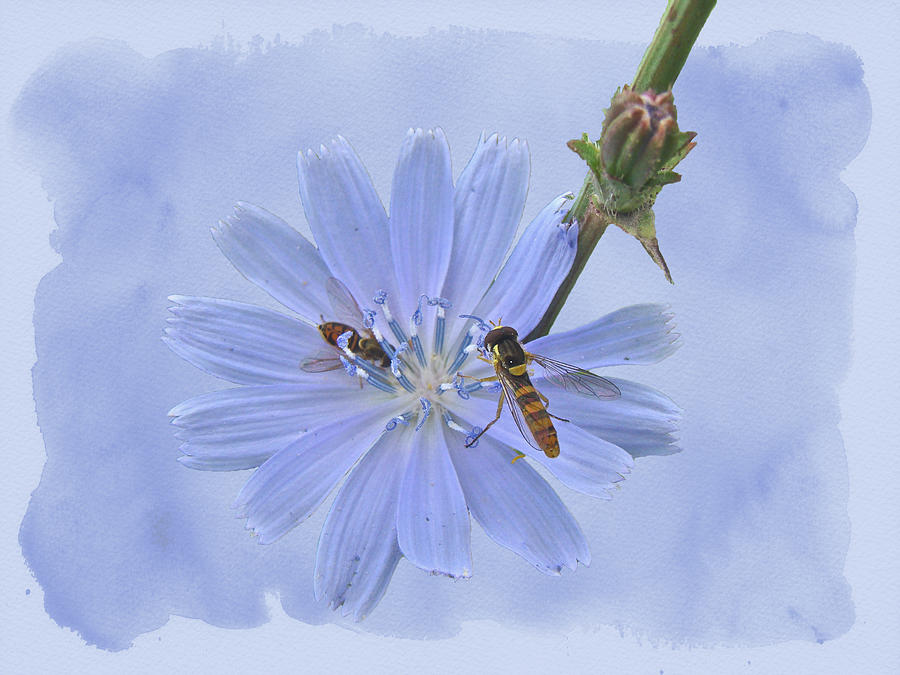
(527,405)
(362,341)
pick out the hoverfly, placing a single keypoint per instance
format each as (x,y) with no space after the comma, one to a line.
(362,341)
(527,405)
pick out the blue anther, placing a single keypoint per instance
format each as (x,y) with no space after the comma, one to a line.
(494,388)
(380,297)
(395,362)
(461,389)
(443,303)
(481,323)
(417,315)
(472,438)
(349,367)
(368,318)
(344,340)
(394,421)
(426,409)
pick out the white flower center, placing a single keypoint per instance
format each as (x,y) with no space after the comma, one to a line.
(424,367)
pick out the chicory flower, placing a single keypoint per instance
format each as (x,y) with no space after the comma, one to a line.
(361,381)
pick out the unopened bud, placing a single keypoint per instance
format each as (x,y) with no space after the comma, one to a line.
(635,156)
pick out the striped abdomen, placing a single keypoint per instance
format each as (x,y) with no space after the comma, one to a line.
(536,416)
(332,330)
(366,347)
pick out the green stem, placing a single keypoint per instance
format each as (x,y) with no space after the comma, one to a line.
(665,56)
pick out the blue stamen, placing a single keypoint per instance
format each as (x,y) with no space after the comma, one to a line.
(349,367)
(439,326)
(461,389)
(417,347)
(453,424)
(368,318)
(381,299)
(471,438)
(417,315)
(494,388)
(439,331)
(374,374)
(414,322)
(481,323)
(343,340)
(380,384)
(398,332)
(395,361)
(386,346)
(394,421)
(357,367)
(443,303)
(426,409)
(461,354)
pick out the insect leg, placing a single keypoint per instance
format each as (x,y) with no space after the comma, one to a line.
(492,378)
(481,433)
(546,403)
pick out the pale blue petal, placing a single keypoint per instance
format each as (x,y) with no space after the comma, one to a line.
(487,202)
(432,519)
(643,421)
(346,218)
(536,267)
(421,223)
(288,487)
(226,463)
(636,335)
(585,463)
(517,508)
(275,257)
(238,342)
(242,427)
(358,548)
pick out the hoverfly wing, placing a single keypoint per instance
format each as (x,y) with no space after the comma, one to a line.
(346,310)
(509,384)
(322,362)
(574,379)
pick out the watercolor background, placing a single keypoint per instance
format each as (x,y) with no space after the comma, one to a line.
(748,515)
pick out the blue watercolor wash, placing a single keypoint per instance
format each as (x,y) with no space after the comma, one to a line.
(740,539)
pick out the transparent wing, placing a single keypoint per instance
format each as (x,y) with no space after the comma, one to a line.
(509,385)
(323,361)
(574,379)
(344,304)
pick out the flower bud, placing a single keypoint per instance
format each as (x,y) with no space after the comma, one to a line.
(635,156)
(641,144)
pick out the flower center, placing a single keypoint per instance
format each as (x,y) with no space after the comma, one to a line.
(423,366)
